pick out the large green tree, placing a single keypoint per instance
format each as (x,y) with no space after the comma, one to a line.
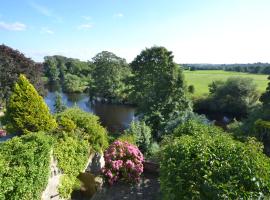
(109,77)
(26,110)
(158,87)
(12,64)
(235,96)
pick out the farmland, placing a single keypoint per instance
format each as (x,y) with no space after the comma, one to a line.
(202,78)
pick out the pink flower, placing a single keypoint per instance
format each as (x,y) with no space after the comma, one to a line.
(122,161)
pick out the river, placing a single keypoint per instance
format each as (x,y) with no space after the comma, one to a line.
(115,118)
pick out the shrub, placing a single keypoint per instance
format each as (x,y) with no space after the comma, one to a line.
(72,154)
(26,110)
(89,125)
(213,166)
(130,138)
(24,166)
(123,161)
(142,134)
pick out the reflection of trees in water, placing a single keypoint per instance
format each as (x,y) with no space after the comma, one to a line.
(114,117)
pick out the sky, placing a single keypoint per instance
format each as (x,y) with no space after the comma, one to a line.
(196,31)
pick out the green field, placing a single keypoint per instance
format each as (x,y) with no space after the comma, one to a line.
(202,78)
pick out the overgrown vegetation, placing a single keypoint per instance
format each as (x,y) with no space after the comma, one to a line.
(201,163)
(24,166)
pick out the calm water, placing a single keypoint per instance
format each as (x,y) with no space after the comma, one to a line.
(113,117)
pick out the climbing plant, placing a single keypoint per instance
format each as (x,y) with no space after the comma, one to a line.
(24,166)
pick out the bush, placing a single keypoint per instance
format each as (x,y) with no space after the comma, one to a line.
(24,166)
(123,161)
(208,164)
(88,124)
(72,154)
(142,134)
(26,110)
(127,138)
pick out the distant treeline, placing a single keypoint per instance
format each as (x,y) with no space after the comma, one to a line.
(254,68)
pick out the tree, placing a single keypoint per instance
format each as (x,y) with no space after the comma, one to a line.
(265,98)
(51,69)
(59,106)
(191,89)
(235,97)
(158,88)
(108,77)
(73,83)
(141,133)
(26,110)
(12,64)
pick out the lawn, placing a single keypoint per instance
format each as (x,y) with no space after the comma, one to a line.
(202,78)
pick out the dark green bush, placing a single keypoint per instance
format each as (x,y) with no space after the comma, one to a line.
(24,167)
(205,163)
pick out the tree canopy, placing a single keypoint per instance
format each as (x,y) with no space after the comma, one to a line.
(158,87)
(12,64)
(108,77)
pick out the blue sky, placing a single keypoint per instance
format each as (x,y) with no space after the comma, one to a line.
(197,31)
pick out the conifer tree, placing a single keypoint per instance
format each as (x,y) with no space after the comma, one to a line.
(26,110)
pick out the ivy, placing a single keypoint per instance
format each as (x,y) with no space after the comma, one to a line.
(24,166)
(72,153)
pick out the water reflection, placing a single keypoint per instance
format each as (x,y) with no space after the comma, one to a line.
(114,117)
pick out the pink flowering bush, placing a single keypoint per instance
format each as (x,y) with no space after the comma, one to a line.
(123,161)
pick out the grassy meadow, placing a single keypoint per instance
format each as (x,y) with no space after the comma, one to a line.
(202,78)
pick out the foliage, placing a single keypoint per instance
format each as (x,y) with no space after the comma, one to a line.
(201,163)
(126,137)
(141,133)
(59,106)
(74,83)
(12,64)
(265,98)
(89,125)
(75,74)
(191,89)
(157,87)
(108,77)
(153,152)
(184,117)
(123,161)
(24,166)
(235,96)
(26,110)
(72,153)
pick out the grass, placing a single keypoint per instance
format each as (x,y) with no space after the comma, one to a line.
(202,78)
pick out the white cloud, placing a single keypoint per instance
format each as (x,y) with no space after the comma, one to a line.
(46,30)
(88,18)
(41,9)
(16,26)
(85,26)
(118,15)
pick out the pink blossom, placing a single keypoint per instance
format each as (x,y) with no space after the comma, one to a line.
(122,161)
